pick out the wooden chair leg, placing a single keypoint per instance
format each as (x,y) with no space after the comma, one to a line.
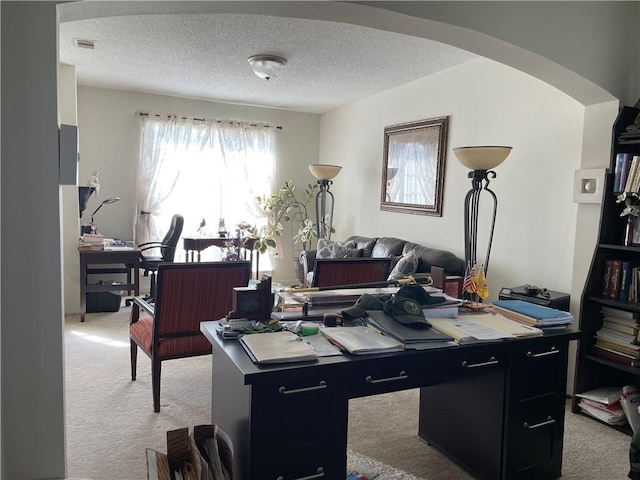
(155,383)
(134,359)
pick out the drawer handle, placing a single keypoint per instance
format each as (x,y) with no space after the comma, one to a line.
(492,361)
(320,386)
(319,474)
(553,351)
(549,421)
(403,376)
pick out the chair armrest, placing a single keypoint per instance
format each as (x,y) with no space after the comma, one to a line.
(151,245)
(307,260)
(139,302)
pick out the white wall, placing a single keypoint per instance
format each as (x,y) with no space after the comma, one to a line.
(488,104)
(32,341)
(108,132)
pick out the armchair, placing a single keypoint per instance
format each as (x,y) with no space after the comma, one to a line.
(187,294)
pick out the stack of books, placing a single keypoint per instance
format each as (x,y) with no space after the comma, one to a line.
(604,404)
(617,340)
(533,315)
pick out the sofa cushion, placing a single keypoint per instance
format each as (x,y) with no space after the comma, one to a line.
(407,265)
(388,246)
(331,249)
(363,243)
(427,257)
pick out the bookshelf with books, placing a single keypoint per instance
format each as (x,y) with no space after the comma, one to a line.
(609,350)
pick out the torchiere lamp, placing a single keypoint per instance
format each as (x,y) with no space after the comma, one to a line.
(481,160)
(324,174)
(104,202)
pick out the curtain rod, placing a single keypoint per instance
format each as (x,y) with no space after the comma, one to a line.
(146,114)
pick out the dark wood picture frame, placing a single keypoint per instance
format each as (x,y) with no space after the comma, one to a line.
(413,167)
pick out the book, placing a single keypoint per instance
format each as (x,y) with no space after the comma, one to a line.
(361,340)
(277,347)
(621,327)
(614,283)
(618,347)
(417,333)
(631,176)
(618,312)
(614,356)
(606,278)
(625,281)
(623,162)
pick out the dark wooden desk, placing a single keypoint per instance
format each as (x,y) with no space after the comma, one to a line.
(127,261)
(197,244)
(495,408)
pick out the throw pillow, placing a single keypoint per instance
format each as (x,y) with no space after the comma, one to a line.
(331,249)
(407,265)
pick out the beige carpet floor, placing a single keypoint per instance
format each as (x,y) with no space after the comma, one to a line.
(110,419)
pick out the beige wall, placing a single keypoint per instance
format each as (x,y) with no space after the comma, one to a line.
(536,218)
(108,129)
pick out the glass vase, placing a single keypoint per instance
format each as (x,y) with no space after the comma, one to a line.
(628,232)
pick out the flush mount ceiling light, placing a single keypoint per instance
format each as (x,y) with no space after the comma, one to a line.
(267,66)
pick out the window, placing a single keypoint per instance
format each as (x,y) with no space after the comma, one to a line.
(202,169)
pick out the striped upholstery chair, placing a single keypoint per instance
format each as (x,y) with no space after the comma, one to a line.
(187,294)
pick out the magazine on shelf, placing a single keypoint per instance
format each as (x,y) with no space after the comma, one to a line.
(630,401)
(604,395)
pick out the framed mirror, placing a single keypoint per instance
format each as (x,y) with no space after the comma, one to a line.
(413,167)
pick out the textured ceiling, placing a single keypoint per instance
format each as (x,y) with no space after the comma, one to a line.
(204,56)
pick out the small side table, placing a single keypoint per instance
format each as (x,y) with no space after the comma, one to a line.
(110,261)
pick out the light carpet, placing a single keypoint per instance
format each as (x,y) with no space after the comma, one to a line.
(110,419)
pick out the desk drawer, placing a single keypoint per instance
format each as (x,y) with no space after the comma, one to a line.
(538,372)
(315,461)
(391,374)
(291,409)
(535,440)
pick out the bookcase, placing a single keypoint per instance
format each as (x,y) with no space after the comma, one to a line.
(594,371)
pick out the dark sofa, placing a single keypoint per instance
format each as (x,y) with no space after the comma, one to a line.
(394,248)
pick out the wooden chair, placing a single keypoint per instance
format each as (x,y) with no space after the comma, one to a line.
(349,271)
(187,294)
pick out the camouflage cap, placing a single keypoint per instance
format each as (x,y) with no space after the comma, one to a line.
(405,310)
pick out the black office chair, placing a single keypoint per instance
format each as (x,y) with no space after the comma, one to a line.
(167,246)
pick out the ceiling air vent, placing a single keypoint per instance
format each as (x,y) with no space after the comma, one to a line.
(84,43)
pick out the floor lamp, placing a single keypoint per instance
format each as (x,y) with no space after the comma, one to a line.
(481,160)
(324,174)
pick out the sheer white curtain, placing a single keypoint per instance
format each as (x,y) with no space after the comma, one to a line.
(202,169)
(168,145)
(248,151)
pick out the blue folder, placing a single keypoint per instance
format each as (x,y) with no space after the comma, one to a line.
(532,310)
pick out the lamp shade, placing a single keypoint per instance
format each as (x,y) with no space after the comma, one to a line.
(324,172)
(267,66)
(482,157)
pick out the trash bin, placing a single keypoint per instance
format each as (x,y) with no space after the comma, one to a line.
(104,301)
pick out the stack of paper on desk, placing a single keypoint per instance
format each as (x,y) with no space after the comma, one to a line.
(277,347)
(486,326)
